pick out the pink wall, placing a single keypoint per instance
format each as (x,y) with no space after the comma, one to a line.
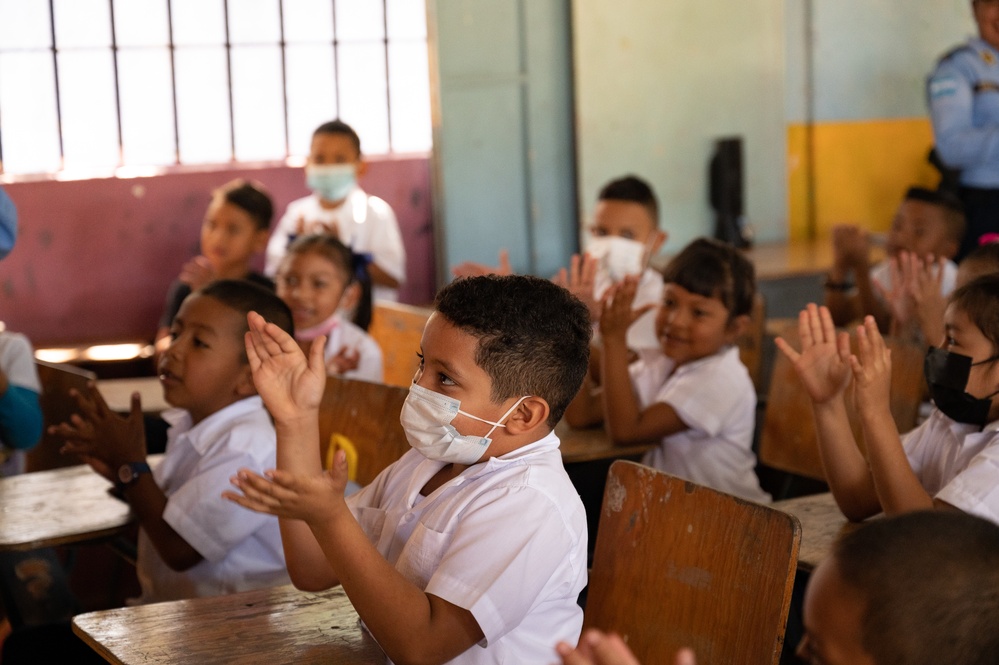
(94,258)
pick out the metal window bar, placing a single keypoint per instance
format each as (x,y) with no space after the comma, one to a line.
(388,87)
(228,66)
(336,61)
(58,97)
(284,80)
(117,91)
(173,81)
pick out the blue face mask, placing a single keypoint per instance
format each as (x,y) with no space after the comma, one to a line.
(331,182)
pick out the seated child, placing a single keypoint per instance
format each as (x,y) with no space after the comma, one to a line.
(317,278)
(234,230)
(694,395)
(929,224)
(624,236)
(339,207)
(873,603)
(950,460)
(20,412)
(471,548)
(191,542)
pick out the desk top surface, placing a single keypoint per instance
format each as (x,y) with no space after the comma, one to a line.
(266,626)
(822,523)
(587,445)
(68,505)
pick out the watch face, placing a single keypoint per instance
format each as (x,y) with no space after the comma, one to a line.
(125,473)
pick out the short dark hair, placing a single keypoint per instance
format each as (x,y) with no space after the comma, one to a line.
(979,299)
(713,269)
(634,189)
(986,255)
(246,297)
(930,582)
(251,197)
(353,267)
(534,336)
(338,126)
(952,208)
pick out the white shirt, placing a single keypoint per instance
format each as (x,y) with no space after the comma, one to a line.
(369,361)
(957,463)
(881,274)
(505,540)
(642,333)
(241,548)
(364,223)
(18,363)
(715,398)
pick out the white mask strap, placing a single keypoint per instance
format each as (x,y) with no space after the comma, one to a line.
(502,418)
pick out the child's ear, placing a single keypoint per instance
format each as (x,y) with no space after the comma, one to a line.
(530,413)
(260,239)
(736,327)
(351,296)
(362,167)
(244,384)
(659,238)
(949,249)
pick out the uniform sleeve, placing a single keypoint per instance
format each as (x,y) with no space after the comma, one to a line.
(705,397)
(198,513)
(369,363)
(20,418)
(277,246)
(951,94)
(975,489)
(498,571)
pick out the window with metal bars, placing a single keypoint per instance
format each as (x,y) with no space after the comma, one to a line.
(127,86)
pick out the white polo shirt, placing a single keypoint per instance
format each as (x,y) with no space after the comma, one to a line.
(505,540)
(346,335)
(642,333)
(241,548)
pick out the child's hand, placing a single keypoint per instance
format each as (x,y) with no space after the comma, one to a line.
(197,272)
(104,439)
(924,281)
(851,247)
(898,297)
(292,496)
(824,362)
(871,370)
(616,314)
(344,361)
(290,385)
(472,269)
(579,280)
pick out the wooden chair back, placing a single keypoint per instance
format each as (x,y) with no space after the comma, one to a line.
(398,329)
(681,565)
(56,379)
(788,440)
(367,414)
(750,343)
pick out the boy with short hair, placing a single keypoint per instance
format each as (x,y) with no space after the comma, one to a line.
(338,206)
(235,229)
(192,543)
(929,224)
(624,237)
(471,548)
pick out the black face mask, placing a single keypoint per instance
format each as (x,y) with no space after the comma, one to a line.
(947,376)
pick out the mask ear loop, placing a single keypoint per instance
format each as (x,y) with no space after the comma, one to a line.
(495,424)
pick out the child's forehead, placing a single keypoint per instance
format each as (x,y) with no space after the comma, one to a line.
(220,210)
(211,314)
(675,290)
(333,143)
(923,213)
(613,215)
(449,343)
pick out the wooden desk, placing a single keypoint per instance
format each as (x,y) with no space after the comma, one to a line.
(588,445)
(821,524)
(280,625)
(118,394)
(797,258)
(68,505)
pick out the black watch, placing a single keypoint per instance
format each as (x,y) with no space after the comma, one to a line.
(128,474)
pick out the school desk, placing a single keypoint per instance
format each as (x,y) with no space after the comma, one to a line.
(822,523)
(118,394)
(279,625)
(60,507)
(592,444)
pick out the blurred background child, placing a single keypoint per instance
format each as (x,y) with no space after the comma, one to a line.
(929,224)
(235,229)
(694,395)
(339,207)
(318,279)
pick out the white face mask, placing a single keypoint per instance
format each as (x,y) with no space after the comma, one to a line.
(331,182)
(426,417)
(618,257)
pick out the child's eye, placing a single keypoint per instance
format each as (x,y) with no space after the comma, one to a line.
(173,334)
(446,380)
(200,343)
(950,341)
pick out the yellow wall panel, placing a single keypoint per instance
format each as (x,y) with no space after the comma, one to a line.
(861,171)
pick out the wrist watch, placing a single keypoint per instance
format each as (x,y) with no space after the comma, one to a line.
(128,474)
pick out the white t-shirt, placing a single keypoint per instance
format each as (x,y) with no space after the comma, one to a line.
(505,540)
(642,333)
(364,223)
(241,548)
(715,398)
(881,274)
(957,463)
(369,362)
